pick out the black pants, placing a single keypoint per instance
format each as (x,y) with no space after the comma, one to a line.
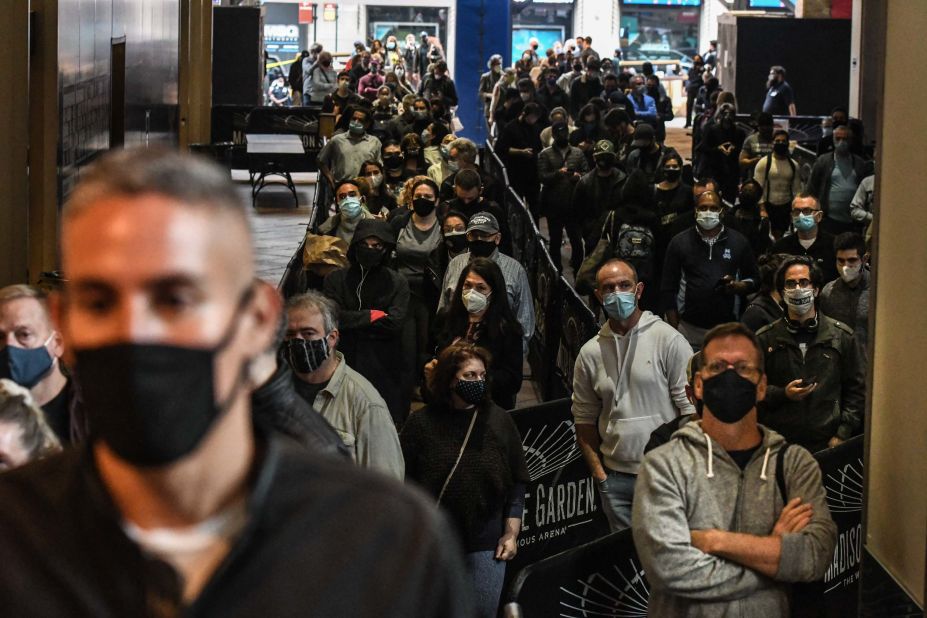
(556,222)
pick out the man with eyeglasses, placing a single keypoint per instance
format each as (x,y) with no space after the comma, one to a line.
(814,366)
(707,271)
(712,529)
(808,238)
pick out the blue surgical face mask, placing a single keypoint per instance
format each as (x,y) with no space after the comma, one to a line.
(350,207)
(620,305)
(356,128)
(804,223)
(26,366)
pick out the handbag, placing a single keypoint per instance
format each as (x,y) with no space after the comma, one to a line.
(585,277)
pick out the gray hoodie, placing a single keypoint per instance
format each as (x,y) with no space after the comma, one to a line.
(691,483)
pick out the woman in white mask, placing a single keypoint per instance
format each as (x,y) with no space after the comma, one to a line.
(480,313)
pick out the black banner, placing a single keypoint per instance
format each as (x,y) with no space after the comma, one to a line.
(562,508)
(842,474)
(605,578)
(577,326)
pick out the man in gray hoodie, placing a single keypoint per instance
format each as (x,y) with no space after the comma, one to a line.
(713,532)
(627,381)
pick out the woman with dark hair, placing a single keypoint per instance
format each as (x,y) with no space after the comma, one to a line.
(379,200)
(418,234)
(479,313)
(413,152)
(766,305)
(466,452)
(394,167)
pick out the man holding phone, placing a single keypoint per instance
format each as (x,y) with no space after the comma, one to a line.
(560,166)
(813,364)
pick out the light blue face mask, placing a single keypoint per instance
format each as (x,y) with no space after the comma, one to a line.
(620,305)
(350,207)
(804,223)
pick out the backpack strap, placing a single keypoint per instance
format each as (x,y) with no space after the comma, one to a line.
(780,473)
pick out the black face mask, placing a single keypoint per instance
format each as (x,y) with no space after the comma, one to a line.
(153,404)
(604,163)
(781,148)
(748,200)
(368,257)
(392,161)
(672,174)
(729,396)
(306,355)
(561,140)
(456,243)
(423,206)
(482,248)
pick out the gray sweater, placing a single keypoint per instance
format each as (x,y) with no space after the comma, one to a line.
(691,483)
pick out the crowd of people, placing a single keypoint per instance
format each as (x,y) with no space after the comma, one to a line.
(735,303)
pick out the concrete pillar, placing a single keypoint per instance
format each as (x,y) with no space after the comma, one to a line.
(598,19)
(14,147)
(895,521)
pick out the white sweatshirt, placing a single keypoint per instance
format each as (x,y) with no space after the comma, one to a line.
(629,385)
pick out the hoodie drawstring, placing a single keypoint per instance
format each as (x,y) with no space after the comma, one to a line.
(765,461)
(711,472)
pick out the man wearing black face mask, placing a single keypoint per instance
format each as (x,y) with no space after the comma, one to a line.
(559,168)
(343,397)
(757,145)
(483,238)
(748,218)
(597,192)
(816,369)
(720,151)
(182,503)
(647,154)
(710,526)
(469,199)
(373,300)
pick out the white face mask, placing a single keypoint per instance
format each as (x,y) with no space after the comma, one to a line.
(707,220)
(850,273)
(800,300)
(375,180)
(474,301)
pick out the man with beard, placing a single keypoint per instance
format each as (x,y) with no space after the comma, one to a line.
(780,99)
(757,145)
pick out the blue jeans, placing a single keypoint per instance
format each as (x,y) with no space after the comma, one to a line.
(617,493)
(487,575)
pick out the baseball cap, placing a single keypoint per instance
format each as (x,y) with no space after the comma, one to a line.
(483,222)
(603,146)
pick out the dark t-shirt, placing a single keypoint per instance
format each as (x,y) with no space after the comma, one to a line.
(778,99)
(309,391)
(741,458)
(58,415)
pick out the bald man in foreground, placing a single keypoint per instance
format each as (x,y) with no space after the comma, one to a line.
(178,505)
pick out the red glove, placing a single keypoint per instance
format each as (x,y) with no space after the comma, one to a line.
(376,314)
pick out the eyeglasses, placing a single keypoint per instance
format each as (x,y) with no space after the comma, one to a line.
(804,211)
(794,284)
(743,369)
